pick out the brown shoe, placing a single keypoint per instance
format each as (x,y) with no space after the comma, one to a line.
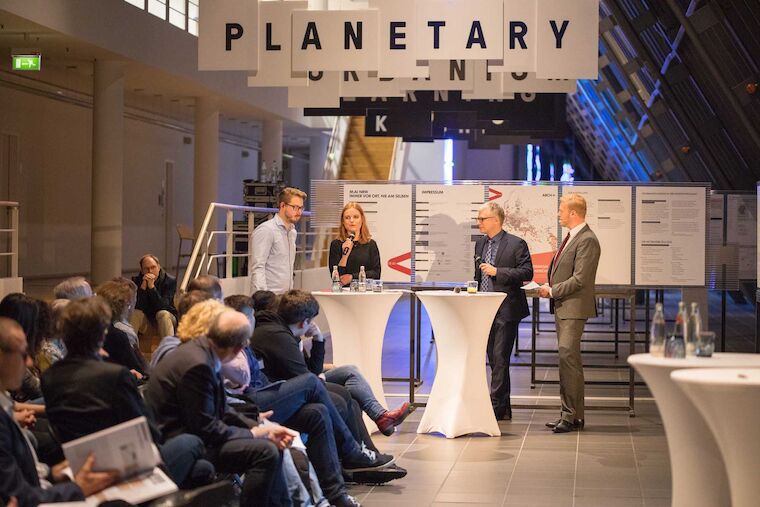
(387,422)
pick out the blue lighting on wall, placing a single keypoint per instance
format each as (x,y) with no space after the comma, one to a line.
(448,160)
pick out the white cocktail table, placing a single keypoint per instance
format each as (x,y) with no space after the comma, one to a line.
(729,400)
(357,327)
(697,468)
(459,401)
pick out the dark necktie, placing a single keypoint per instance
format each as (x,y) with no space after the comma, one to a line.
(485,280)
(556,257)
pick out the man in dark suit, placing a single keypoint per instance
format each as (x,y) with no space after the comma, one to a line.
(502,265)
(85,394)
(186,392)
(572,278)
(155,298)
(21,475)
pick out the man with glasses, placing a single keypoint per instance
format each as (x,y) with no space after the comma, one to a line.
(274,245)
(502,264)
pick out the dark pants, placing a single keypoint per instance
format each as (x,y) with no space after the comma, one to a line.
(183,459)
(501,341)
(351,413)
(303,404)
(261,462)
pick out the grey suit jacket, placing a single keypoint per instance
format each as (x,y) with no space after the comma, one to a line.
(573,277)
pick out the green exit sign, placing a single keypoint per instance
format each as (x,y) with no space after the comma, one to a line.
(27,62)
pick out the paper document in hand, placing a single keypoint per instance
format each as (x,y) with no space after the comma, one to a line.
(530,286)
(126,447)
(137,490)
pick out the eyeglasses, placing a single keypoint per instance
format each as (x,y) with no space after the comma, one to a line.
(483,219)
(295,208)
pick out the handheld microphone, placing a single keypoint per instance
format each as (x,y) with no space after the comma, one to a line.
(478,261)
(351,237)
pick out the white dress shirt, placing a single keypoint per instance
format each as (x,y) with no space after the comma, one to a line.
(274,253)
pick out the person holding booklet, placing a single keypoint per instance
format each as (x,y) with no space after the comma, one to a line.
(24,481)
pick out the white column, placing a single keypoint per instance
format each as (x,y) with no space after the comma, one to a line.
(206,162)
(107,170)
(317,156)
(271,143)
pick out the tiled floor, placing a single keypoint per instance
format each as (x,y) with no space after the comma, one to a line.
(616,461)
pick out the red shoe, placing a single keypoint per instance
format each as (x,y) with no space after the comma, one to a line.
(387,422)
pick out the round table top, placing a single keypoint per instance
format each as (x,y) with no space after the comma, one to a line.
(728,377)
(718,360)
(463,293)
(347,293)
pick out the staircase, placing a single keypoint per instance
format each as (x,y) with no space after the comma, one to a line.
(366,158)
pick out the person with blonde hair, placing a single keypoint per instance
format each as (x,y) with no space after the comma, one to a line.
(198,319)
(274,244)
(354,246)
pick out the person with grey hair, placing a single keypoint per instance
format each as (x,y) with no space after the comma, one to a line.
(155,298)
(502,264)
(73,288)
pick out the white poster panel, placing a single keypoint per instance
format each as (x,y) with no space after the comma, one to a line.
(609,214)
(450,29)
(323,91)
(742,230)
(527,82)
(715,228)
(568,39)
(227,38)
(365,84)
(445,218)
(444,75)
(397,56)
(275,45)
(670,236)
(486,84)
(388,208)
(519,37)
(335,40)
(531,213)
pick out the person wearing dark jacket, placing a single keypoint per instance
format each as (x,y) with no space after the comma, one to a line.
(503,264)
(155,298)
(186,393)
(354,247)
(117,343)
(21,475)
(85,394)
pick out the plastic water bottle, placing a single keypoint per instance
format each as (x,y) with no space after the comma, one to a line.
(682,318)
(362,280)
(336,285)
(694,327)
(657,332)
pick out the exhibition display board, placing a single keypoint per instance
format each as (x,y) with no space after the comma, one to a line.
(652,235)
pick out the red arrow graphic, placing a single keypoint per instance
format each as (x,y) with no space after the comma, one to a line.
(395,263)
(493,194)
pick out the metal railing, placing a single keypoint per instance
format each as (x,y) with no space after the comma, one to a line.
(11,250)
(208,253)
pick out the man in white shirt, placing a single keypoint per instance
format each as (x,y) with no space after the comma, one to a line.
(274,245)
(572,277)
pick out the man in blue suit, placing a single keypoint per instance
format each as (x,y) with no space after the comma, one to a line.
(22,476)
(502,264)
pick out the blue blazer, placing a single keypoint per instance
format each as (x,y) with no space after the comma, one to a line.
(18,475)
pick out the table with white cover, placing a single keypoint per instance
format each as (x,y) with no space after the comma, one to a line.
(459,401)
(357,327)
(729,401)
(697,468)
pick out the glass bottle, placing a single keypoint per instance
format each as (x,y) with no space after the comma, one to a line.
(681,319)
(657,332)
(694,327)
(336,285)
(362,280)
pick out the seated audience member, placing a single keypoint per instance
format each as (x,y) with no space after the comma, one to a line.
(85,394)
(186,394)
(123,324)
(264,300)
(169,343)
(117,344)
(155,298)
(277,340)
(52,349)
(21,475)
(303,403)
(209,284)
(73,288)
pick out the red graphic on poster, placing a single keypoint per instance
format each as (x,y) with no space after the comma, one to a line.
(395,263)
(493,194)
(541,263)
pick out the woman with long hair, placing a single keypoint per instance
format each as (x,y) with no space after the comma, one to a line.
(354,246)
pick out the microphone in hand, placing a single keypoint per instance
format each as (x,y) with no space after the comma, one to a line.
(351,237)
(478,261)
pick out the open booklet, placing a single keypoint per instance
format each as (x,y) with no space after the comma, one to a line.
(530,286)
(127,448)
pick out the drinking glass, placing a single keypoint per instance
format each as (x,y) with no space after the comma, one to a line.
(705,344)
(472,287)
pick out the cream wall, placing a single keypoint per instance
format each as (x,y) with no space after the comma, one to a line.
(54,181)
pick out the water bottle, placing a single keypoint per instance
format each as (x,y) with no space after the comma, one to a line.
(693,329)
(336,285)
(657,332)
(682,318)
(362,280)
